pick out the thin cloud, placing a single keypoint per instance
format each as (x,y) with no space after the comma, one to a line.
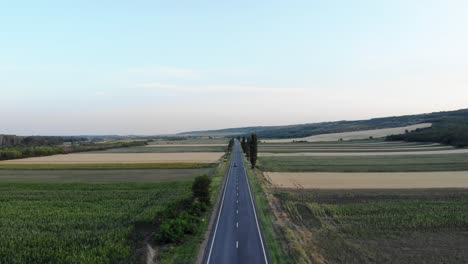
(168,72)
(219,88)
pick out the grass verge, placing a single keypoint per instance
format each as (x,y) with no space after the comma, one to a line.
(271,232)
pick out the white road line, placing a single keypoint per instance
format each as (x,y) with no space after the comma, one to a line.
(219,214)
(237,211)
(255,215)
(237,224)
(237,244)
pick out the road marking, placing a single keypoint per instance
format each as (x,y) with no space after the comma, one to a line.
(219,214)
(237,211)
(237,244)
(255,215)
(237,201)
(237,224)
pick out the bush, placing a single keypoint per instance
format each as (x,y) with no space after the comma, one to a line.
(201,189)
(10,154)
(174,230)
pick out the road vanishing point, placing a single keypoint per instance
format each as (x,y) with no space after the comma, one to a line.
(236,237)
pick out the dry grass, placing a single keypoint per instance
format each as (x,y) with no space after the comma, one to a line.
(391,180)
(95,158)
(376,133)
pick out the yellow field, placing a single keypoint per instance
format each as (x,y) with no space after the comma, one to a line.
(376,133)
(96,158)
(380,180)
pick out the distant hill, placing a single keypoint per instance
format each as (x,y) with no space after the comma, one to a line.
(305,130)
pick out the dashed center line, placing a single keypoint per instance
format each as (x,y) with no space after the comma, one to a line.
(237,244)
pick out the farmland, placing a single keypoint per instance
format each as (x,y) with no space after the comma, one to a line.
(383,163)
(380,226)
(366,201)
(380,180)
(168,149)
(96,158)
(362,134)
(78,223)
(113,175)
(103,207)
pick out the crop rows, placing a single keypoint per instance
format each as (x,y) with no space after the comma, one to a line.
(77,223)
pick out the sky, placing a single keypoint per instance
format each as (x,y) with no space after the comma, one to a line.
(158,67)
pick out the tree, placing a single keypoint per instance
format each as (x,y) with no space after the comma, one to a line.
(230,145)
(243,144)
(253,148)
(201,189)
(247,149)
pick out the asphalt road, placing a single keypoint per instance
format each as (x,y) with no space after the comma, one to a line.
(236,237)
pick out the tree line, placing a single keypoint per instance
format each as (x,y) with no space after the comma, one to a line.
(28,152)
(250,148)
(449,133)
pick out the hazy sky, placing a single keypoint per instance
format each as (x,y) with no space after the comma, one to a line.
(150,67)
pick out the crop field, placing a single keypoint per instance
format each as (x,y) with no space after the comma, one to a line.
(114,175)
(190,142)
(367,201)
(91,158)
(167,149)
(378,226)
(78,223)
(376,180)
(102,206)
(452,162)
(363,134)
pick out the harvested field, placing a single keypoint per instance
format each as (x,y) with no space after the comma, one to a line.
(185,145)
(92,158)
(190,142)
(102,176)
(376,133)
(394,180)
(165,149)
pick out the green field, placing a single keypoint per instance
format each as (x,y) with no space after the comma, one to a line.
(102,176)
(78,223)
(413,163)
(380,226)
(161,149)
(349,147)
(106,166)
(103,213)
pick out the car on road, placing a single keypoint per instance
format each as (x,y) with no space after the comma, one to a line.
(235,165)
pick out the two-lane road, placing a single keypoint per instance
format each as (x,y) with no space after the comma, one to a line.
(236,237)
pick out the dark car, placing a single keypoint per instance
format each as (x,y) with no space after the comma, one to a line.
(235,165)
